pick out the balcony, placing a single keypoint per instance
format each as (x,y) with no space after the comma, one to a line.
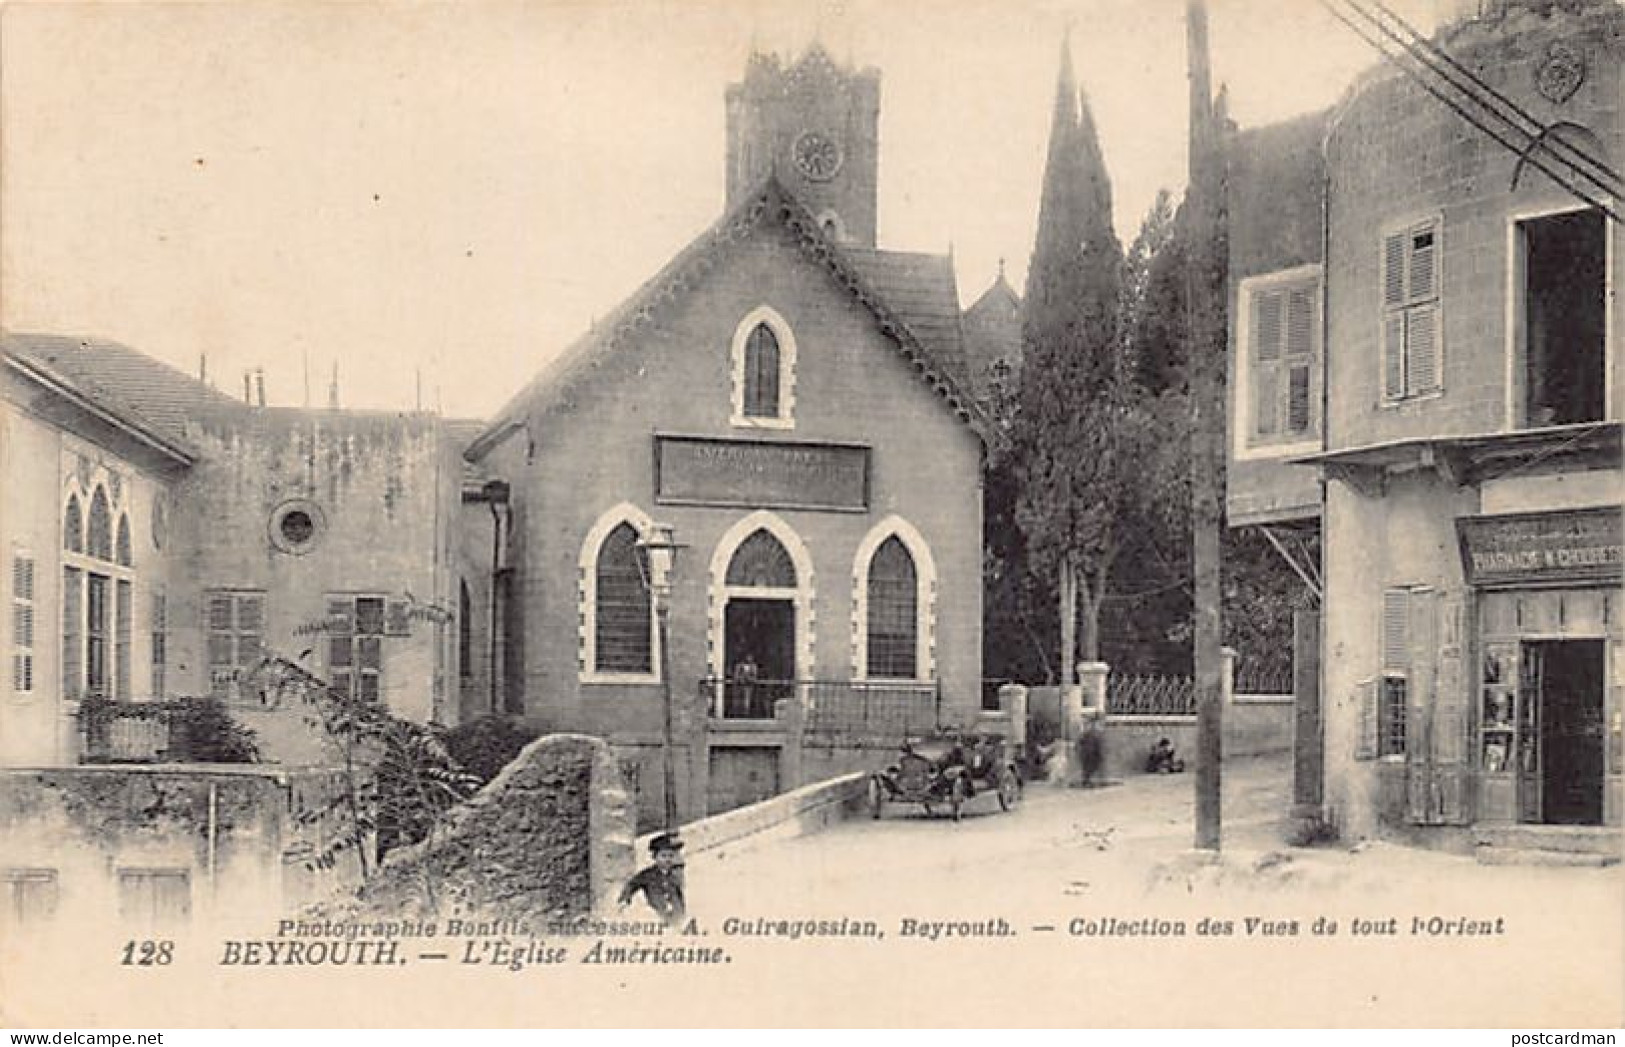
(181,730)
(831,707)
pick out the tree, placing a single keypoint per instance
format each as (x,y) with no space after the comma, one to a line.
(1075,431)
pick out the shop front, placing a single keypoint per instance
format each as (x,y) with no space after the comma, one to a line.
(1549,720)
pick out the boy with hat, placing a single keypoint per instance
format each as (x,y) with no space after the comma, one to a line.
(662,882)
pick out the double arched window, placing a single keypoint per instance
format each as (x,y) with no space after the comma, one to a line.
(98,598)
(764,371)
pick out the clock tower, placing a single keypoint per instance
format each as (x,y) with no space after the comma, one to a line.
(816,126)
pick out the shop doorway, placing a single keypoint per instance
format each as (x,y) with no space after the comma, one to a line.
(1568,676)
(759,645)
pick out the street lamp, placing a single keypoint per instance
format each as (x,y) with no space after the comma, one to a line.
(658,556)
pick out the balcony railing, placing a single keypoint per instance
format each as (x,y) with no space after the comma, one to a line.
(830,706)
(130,732)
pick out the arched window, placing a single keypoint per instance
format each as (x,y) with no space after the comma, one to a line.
(762,373)
(101,527)
(73,526)
(122,541)
(893,626)
(761,562)
(621,638)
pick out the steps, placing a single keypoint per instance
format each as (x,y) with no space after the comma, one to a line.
(1583,845)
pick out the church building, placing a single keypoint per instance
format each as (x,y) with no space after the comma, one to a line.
(792,401)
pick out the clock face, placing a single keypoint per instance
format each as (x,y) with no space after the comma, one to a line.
(818,156)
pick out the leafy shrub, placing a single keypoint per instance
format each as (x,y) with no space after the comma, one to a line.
(210,735)
(484,746)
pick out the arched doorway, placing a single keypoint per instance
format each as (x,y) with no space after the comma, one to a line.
(759,628)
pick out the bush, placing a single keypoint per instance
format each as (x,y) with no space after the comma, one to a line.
(210,735)
(483,747)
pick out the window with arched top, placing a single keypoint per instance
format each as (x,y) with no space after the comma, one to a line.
(893,606)
(762,373)
(761,562)
(100,539)
(73,526)
(622,619)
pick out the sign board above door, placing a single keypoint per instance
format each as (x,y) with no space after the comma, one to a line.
(764,474)
(1538,548)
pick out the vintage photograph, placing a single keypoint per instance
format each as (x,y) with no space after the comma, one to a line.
(812,514)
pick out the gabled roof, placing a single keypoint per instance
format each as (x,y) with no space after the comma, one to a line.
(923,289)
(138,392)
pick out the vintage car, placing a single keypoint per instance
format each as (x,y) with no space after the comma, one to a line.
(947,768)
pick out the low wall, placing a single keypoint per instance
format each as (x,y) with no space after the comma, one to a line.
(1253,726)
(795,813)
(548,837)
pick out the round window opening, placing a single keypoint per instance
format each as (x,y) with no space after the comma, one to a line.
(294,527)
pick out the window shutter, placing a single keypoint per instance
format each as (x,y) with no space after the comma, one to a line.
(1267,325)
(1395,630)
(1267,393)
(1365,697)
(1297,403)
(1424,253)
(1422,345)
(1300,320)
(1393,356)
(1393,271)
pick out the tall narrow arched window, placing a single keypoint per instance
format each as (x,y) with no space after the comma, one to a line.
(622,621)
(762,373)
(73,526)
(101,527)
(893,626)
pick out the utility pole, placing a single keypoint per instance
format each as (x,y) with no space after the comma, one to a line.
(1205,328)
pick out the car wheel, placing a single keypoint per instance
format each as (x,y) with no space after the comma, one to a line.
(956,797)
(1009,788)
(877,797)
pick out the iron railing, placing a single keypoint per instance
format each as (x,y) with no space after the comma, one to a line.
(830,706)
(1150,696)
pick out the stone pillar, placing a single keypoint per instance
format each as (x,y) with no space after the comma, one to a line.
(1013,704)
(791,713)
(1092,686)
(1082,708)
(1227,674)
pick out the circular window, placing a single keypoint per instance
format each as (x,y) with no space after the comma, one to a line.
(294,526)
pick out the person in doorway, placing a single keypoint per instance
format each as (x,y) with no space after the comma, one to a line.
(744,684)
(661,883)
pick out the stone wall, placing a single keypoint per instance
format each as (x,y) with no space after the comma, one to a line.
(548,837)
(226,839)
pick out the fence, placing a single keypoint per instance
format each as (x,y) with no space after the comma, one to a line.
(831,706)
(1150,696)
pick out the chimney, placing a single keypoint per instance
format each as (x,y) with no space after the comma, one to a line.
(259,385)
(333,389)
(248,387)
(203,368)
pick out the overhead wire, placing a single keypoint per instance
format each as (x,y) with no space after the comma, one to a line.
(1457,108)
(1524,119)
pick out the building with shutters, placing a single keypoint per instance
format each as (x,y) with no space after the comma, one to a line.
(1425,374)
(790,398)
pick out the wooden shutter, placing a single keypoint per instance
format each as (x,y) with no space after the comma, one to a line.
(1422,348)
(1393,271)
(1365,697)
(1422,283)
(1393,356)
(1452,725)
(1422,658)
(1267,331)
(1396,651)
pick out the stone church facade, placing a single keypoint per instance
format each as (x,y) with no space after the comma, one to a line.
(790,399)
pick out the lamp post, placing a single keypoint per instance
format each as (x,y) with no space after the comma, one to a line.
(659,555)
